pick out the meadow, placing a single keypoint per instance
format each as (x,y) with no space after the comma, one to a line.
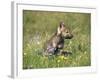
(39,26)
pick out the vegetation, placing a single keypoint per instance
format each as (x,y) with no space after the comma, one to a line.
(38,27)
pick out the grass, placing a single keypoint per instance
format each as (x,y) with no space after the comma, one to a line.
(38,27)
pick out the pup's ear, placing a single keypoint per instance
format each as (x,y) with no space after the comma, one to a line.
(58,30)
(62,24)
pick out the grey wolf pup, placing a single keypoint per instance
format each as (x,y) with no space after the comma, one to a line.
(55,44)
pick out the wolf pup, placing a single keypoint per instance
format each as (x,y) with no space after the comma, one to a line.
(55,44)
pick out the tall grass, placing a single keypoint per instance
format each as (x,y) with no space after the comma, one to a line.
(38,27)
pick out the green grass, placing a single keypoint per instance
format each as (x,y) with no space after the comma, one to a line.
(39,26)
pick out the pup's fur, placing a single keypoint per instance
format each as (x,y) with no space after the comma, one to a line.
(56,42)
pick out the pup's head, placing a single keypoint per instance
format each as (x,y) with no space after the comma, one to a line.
(64,31)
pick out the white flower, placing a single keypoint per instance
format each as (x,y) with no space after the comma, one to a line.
(25,53)
(38,42)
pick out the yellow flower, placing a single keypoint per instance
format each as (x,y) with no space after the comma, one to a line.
(58,61)
(65,58)
(62,57)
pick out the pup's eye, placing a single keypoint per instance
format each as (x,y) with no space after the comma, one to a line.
(66,31)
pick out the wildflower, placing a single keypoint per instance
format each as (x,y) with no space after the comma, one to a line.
(70,47)
(65,58)
(62,57)
(85,52)
(70,42)
(29,46)
(25,53)
(80,56)
(38,42)
(58,61)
